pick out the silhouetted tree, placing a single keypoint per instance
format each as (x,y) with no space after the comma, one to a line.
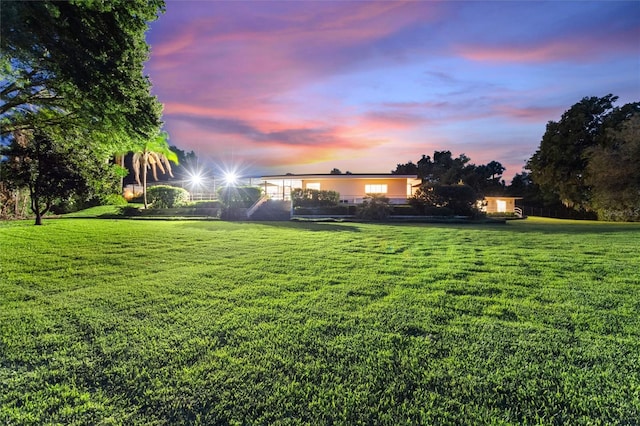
(613,174)
(405,169)
(560,163)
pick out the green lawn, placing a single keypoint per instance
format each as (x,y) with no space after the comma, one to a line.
(210,322)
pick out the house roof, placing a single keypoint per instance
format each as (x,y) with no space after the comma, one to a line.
(499,197)
(341,176)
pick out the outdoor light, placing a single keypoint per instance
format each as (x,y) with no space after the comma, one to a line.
(230,178)
(196,179)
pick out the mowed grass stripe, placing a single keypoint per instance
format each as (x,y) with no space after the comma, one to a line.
(186,322)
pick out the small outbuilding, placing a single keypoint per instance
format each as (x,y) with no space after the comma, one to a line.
(502,205)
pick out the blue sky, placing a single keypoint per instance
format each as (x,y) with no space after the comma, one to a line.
(306,86)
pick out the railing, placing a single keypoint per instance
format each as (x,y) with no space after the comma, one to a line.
(251,210)
(518,211)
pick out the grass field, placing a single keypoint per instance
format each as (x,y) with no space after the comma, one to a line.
(196,322)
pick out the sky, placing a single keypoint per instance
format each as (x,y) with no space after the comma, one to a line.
(274,87)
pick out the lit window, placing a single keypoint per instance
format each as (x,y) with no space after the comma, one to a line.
(315,186)
(375,189)
(502,206)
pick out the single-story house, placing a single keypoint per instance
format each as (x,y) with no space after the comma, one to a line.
(353,188)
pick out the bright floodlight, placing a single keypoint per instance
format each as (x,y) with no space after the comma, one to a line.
(230,178)
(196,179)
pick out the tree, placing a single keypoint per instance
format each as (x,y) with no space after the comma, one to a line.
(82,63)
(45,167)
(523,186)
(460,199)
(613,173)
(187,163)
(335,171)
(153,154)
(57,167)
(559,165)
(405,169)
(443,169)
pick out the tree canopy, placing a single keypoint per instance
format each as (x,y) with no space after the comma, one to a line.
(73,93)
(613,174)
(78,62)
(568,163)
(443,169)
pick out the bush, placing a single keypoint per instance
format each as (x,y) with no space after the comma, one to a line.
(114,200)
(239,196)
(164,196)
(502,214)
(207,204)
(236,200)
(421,210)
(374,207)
(460,199)
(130,210)
(326,211)
(405,210)
(437,211)
(619,215)
(314,198)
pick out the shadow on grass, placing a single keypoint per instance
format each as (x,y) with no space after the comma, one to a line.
(317,226)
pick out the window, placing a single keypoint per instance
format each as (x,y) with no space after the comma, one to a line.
(375,189)
(501,206)
(314,185)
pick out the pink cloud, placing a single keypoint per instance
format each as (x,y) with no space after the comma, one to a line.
(582,47)
(273,81)
(530,114)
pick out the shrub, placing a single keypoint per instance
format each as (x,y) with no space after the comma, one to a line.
(326,211)
(502,214)
(236,200)
(421,210)
(374,207)
(405,210)
(461,199)
(114,200)
(130,210)
(619,215)
(437,211)
(314,198)
(164,196)
(207,204)
(239,196)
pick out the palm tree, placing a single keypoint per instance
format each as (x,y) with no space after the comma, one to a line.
(154,154)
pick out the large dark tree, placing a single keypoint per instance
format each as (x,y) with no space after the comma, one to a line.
(52,171)
(613,173)
(82,62)
(74,68)
(559,165)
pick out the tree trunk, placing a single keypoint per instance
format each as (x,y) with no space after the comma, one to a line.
(35,207)
(144,183)
(122,177)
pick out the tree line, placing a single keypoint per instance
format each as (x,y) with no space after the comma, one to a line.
(588,164)
(73,98)
(74,101)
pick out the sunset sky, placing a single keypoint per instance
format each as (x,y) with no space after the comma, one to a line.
(306,86)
